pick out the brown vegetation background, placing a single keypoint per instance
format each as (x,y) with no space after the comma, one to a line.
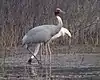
(82,18)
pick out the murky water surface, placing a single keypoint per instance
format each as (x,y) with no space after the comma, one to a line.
(63,67)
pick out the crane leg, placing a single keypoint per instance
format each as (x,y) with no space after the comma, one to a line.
(46,61)
(36,50)
(41,50)
(30,60)
(49,59)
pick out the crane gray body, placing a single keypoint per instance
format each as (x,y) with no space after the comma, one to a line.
(40,34)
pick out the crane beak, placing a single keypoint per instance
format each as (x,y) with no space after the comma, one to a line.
(62,12)
(68,33)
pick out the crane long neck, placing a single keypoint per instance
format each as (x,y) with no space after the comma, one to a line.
(60,23)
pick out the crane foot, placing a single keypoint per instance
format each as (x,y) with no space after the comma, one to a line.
(30,61)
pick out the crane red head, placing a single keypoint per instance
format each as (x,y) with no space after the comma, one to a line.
(58,11)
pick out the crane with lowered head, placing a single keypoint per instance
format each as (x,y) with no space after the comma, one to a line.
(62,32)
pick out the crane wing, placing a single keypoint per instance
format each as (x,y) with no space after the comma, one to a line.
(40,34)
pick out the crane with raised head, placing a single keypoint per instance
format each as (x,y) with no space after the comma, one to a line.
(42,34)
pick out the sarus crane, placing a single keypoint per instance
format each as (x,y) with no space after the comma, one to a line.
(42,34)
(62,32)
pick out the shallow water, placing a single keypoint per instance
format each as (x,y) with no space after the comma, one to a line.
(63,67)
(30,72)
